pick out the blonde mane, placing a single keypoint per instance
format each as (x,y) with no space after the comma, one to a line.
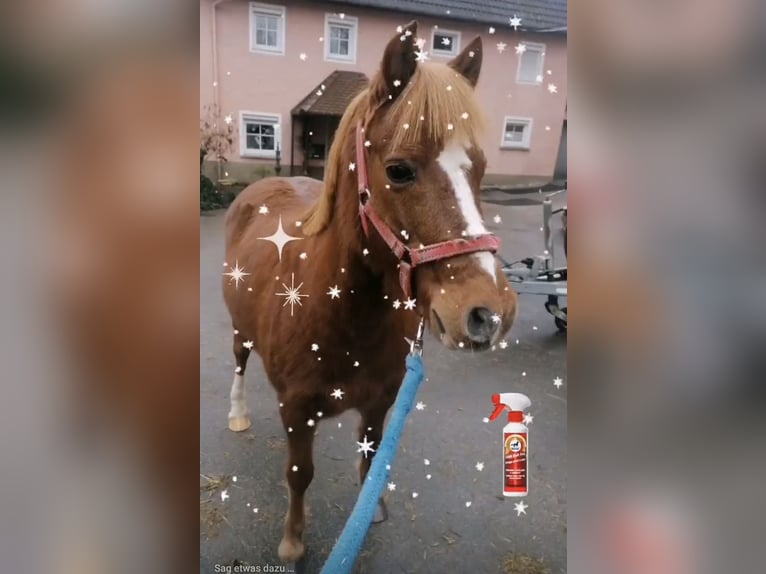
(437,105)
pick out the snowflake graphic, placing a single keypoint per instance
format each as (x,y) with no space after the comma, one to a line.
(292,294)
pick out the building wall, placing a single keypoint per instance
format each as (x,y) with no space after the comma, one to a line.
(273,84)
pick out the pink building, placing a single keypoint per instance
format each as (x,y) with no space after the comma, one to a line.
(284,71)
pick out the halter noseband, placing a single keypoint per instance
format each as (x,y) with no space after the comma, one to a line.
(408,257)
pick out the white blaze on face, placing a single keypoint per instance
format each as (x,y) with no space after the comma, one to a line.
(454,161)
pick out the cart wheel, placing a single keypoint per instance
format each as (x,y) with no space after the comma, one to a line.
(562,325)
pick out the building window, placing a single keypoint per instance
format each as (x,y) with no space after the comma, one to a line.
(516,133)
(259,135)
(267,28)
(531,64)
(340,38)
(445,42)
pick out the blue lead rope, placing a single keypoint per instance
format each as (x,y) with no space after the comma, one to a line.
(343,555)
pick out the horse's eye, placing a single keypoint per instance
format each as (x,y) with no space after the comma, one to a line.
(400,173)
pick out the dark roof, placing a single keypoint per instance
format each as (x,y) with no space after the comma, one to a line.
(337,91)
(536,15)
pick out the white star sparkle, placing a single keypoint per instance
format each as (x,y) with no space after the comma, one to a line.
(224,495)
(314,347)
(421,56)
(515,22)
(501,47)
(521,47)
(337,394)
(445,42)
(414,495)
(303,56)
(391,486)
(365,446)
(397,304)
(552,88)
(479,466)
(503,344)
(334,292)
(280,238)
(263,210)
(491,30)
(311,422)
(237,274)
(528,419)
(409,304)
(228,119)
(520,508)
(420,405)
(248,345)
(295,468)
(292,294)
(351,166)
(497,219)
(557,382)
(496,318)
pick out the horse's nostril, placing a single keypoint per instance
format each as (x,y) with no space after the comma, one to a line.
(481,325)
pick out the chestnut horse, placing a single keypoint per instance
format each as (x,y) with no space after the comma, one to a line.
(317,291)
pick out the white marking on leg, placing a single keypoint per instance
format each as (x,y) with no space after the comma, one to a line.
(454,161)
(237,396)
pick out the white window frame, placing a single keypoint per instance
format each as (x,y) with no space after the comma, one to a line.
(271,10)
(527,135)
(454,46)
(348,21)
(275,119)
(541,48)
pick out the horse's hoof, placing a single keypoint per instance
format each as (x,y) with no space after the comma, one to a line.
(381,513)
(290,550)
(239,424)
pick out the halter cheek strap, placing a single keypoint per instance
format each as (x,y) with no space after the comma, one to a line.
(408,257)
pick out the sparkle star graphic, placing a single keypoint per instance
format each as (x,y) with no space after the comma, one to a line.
(391,486)
(280,239)
(224,495)
(479,466)
(409,304)
(496,318)
(503,344)
(337,394)
(497,219)
(311,422)
(351,166)
(445,41)
(520,508)
(292,294)
(303,56)
(334,292)
(228,119)
(521,48)
(420,406)
(237,274)
(557,382)
(515,22)
(397,304)
(528,419)
(421,56)
(365,446)
(248,345)
(552,88)
(501,47)
(314,347)
(263,210)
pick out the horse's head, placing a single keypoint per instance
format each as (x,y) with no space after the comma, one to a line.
(425,167)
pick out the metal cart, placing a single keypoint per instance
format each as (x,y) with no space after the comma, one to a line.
(536,274)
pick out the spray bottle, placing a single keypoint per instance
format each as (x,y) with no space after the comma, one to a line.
(515,445)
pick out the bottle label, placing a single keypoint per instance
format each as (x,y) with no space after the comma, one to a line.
(515,462)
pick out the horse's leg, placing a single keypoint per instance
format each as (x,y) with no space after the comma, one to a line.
(239,419)
(300,472)
(373,419)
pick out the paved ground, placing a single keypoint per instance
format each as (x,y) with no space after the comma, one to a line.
(434,532)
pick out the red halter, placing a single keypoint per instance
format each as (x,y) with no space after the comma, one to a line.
(408,257)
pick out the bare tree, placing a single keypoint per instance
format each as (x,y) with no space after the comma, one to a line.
(216,135)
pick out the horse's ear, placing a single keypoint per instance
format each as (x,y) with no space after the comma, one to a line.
(468,62)
(398,64)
